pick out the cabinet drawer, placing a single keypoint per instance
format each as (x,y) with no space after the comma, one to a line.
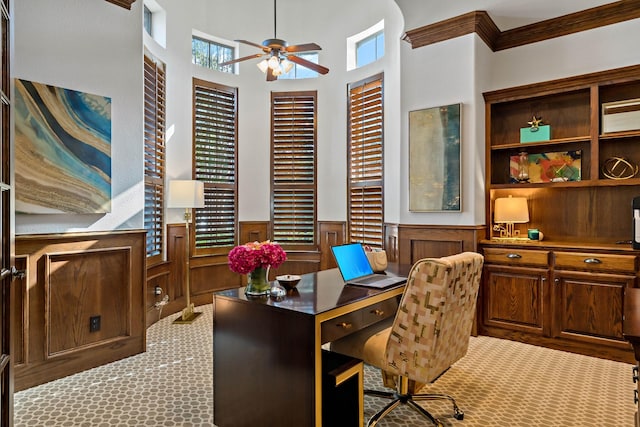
(600,262)
(516,256)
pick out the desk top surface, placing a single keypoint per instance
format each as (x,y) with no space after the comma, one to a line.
(317,292)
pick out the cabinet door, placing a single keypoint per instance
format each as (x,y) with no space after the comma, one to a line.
(514,297)
(588,307)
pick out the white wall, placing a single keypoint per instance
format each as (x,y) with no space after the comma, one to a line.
(443,74)
(94,47)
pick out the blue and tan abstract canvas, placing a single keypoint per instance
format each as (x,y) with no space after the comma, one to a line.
(62,150)
(434,159)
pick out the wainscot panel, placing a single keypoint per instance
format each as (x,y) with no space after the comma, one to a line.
(81,303)
(422,241)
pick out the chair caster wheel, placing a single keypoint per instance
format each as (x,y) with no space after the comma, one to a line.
(459,415)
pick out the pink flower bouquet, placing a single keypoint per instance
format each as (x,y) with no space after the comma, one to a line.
(245,258)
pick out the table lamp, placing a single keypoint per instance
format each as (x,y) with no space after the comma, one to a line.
(187,194)
(509,211)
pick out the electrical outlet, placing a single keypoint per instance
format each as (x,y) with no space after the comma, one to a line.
(94,323)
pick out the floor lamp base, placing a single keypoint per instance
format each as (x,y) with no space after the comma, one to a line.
(188,315)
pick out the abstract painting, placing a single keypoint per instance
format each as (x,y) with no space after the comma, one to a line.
(62,150)
(434,159)
(560,166)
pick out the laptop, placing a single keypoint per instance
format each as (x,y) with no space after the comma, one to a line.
(355,268)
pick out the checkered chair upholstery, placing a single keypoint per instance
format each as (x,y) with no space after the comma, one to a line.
(429,333)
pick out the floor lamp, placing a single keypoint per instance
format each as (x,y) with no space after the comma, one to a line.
(187,194)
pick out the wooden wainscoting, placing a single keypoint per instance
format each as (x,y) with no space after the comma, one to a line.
(70,278)
(421,241)
(210,273)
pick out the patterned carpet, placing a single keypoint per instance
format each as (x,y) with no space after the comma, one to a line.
(499,383)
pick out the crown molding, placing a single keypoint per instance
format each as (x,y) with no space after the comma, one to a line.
(123,3)
(480,22)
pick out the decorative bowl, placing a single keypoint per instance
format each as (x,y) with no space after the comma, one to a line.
(289,281)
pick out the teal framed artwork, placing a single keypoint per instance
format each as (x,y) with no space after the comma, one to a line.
(63,150)
(434,159)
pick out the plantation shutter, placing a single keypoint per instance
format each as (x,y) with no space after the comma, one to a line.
(215,158)
(154,157)
(365,143)
(293,139)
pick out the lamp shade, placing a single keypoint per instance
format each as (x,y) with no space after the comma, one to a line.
(186,194)
(511,210)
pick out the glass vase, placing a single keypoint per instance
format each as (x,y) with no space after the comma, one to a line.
(257,283)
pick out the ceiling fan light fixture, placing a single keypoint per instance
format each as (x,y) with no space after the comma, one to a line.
(286,65)
(274,62)
(263,65)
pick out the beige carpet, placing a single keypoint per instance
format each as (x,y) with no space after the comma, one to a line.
(499,383)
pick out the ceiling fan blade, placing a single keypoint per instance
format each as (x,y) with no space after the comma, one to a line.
(308,64)
(305,47)
(244,58)
(259,46)
(270,76)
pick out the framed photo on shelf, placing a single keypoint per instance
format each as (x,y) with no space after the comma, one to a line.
(434,159)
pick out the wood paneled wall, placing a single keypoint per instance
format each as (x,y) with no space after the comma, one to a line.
(210,273)
(70,278)
(421,241)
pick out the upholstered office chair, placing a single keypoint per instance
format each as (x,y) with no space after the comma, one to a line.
(429,333)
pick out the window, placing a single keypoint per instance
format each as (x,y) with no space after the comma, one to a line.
(154,157)
(293,148)
(365,47)
(209,54)
(365,174)
(155,22)
(370,49)
(148,20)
(215,147)
(300,72)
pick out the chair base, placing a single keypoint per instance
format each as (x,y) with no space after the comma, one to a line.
(410,399)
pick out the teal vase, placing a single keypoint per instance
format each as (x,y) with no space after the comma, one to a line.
(258,284)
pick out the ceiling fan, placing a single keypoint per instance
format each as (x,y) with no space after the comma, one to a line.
(281,56)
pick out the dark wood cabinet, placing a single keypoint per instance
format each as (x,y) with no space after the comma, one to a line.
(513,298)
(588,307)
(549,294)
(589,206)
(566,291)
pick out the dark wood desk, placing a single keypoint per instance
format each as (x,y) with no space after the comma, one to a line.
(267,358)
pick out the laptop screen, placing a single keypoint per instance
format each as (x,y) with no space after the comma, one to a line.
(351,260)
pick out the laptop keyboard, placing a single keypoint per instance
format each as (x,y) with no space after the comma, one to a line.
(370,279)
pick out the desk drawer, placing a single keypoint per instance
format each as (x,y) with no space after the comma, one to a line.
(380,311)
(341,326)
(516,256)
(349,323)
(601,262)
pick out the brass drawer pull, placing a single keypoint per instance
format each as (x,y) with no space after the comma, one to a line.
(377,312)
(344,325)
(514,256)
(592,261)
